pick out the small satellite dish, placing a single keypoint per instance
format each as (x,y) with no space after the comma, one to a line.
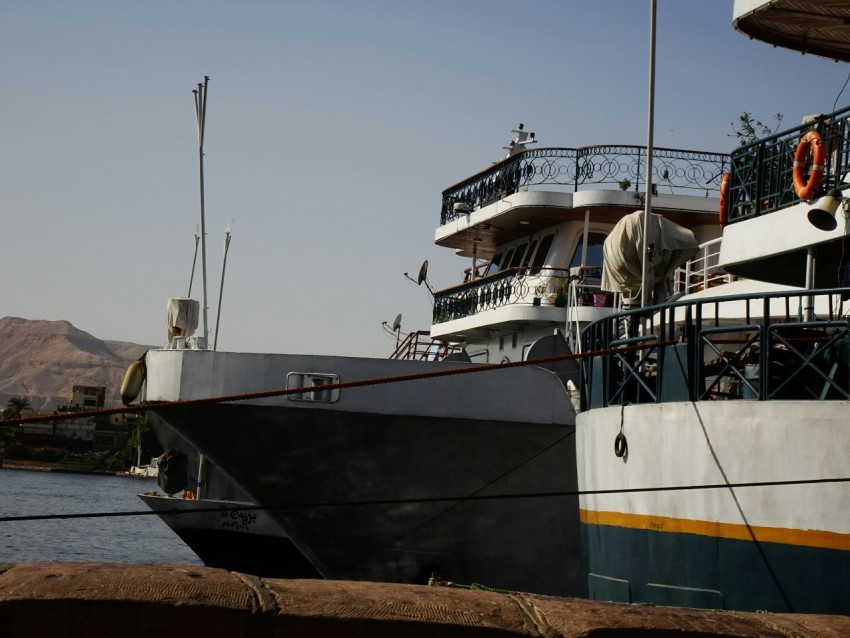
(423,272)
(397,323)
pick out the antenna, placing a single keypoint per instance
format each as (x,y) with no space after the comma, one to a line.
(200,117)
(227,232)
(422,277)
(396,328)
(521,140)
(194,259)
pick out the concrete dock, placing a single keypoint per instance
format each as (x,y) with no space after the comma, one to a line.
(64,600)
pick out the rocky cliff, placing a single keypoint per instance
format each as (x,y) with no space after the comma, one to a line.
(43,360)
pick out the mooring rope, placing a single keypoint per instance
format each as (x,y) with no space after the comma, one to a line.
(345,385)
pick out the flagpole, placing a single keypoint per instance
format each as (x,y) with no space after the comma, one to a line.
(645,287)
(201,116)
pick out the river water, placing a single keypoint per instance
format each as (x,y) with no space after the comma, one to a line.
(125,539)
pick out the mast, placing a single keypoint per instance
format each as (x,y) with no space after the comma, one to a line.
(200,117)
(227,232)
(644,292)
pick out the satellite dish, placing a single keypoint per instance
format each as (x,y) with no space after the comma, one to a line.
(423,272)
(397,323)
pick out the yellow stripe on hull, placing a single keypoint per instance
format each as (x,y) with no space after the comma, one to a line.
(736,531)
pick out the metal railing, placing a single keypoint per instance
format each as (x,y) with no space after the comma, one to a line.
(701,271)
(761,173)
(674,171)
(509,286)
(530,286)
(420,346)
(756,347)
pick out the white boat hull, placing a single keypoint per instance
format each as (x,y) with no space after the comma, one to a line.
(674,521)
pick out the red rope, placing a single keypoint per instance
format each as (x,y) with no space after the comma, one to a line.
(336,386)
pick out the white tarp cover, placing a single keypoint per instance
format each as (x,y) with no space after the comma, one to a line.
(670,246)
(182,314)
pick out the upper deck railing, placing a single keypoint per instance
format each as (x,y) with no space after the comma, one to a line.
(674,171)
(761,173)
(779,346)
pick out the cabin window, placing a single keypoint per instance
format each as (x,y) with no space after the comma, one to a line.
(594,250)
(314,384)
(518,255)
(508,257)
(529,252)
(493,266)
(540,256)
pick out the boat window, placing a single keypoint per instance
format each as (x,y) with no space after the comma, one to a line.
(493,266)
(594,250)
(316,383)
(508,257)
(540,256)
(517,258)
(529,252)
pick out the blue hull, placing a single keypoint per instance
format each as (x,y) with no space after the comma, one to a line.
(690,570)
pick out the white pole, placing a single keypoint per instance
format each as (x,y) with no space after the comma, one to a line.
(584,238)
(194,259)
(645,288)
(227,232)
(201,116)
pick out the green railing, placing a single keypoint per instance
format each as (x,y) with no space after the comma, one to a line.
(745,347)
(761,173)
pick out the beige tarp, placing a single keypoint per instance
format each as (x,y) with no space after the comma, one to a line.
(670,246)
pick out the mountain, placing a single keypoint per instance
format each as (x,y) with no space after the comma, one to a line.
(43,360)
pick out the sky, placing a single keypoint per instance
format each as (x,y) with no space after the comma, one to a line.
(332,128)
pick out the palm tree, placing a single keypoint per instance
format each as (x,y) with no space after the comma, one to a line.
(15,407)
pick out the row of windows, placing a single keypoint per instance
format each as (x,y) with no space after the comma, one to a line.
(532,254)
(525,254)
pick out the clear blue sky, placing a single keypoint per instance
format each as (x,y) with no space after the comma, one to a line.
(332,128)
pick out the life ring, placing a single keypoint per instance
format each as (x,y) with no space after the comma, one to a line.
(803,186)
(621,446)
(725,187)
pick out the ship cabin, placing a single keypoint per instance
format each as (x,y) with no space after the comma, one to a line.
(531,229)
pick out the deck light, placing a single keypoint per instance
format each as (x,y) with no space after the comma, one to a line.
(823,214)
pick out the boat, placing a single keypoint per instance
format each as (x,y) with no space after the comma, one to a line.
(151,470)
(460,467)
(712,437)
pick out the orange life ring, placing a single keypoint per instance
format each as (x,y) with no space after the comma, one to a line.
(806,187)
(725,187)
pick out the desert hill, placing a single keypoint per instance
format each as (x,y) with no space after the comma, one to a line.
(43,360)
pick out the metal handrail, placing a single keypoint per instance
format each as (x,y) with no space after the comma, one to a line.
(675,170)
(419,346)
(761,172)
(768,350)
(506,287)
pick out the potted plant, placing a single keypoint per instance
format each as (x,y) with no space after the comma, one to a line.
(539,291)
(561,292)
(624,184)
